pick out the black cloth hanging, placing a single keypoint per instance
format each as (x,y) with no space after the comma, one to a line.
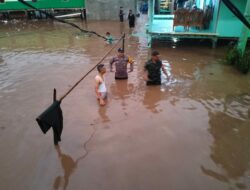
(236,12)
(52,117)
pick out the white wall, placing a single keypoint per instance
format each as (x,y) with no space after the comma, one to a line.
(108,9)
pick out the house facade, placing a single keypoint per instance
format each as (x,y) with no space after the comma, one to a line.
(210,19)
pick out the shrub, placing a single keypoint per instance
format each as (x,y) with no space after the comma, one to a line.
(240,61)
(233,56)
(243,65)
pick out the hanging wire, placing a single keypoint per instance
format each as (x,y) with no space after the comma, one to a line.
(62,21)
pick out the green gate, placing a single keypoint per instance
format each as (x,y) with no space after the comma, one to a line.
(42,4)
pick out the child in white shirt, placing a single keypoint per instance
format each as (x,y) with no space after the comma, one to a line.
(100,86)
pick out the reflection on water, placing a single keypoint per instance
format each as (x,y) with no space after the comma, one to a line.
(68,165)
(202,97)
(152,97)
(122,27)
(103,113)
(234,106)
(17,65)
(229,126)
(122,90)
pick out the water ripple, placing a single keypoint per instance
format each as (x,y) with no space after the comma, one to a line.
(234,106)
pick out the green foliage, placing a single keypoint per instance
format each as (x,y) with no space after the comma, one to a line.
(240,61)
(243,65)
(232,56)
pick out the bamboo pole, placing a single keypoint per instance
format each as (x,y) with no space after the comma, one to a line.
(67,93)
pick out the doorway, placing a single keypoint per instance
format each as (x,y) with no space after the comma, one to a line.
(164,7)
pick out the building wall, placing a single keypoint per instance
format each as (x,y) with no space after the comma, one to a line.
(108,9)
(228,24)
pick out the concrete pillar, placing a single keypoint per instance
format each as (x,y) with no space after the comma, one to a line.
(150,21)
(245,31)
(150,12)
(83,14)
(214,42)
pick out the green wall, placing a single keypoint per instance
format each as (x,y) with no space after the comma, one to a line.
(43,4)
(228,24)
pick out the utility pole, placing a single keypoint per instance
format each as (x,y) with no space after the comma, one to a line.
(245,31)
(123,42)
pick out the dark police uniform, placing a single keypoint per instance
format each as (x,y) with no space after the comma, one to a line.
(154,72)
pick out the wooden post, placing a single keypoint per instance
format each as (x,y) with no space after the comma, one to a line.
(54,95)
(245,31)
(149,40)
(81,16)
(216,15)
(123,42)
(85,14)
(26,14)
(214,42)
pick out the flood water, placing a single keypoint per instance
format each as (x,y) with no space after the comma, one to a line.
(193,132)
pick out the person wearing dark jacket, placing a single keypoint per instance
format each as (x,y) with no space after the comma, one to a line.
(153,69)
(131,19)
(121,61)
(121,14)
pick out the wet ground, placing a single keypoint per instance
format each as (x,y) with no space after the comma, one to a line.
(193,132)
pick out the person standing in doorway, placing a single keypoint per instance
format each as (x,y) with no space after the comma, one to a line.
(121,14)
(153,69)
(131,19)
(121,62)
(180,3)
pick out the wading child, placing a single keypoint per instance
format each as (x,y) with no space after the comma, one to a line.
(109,38)
(100,87)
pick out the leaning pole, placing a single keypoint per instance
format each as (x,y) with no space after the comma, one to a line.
(245,31)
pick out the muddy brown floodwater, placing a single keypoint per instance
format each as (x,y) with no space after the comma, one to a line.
(193,132)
